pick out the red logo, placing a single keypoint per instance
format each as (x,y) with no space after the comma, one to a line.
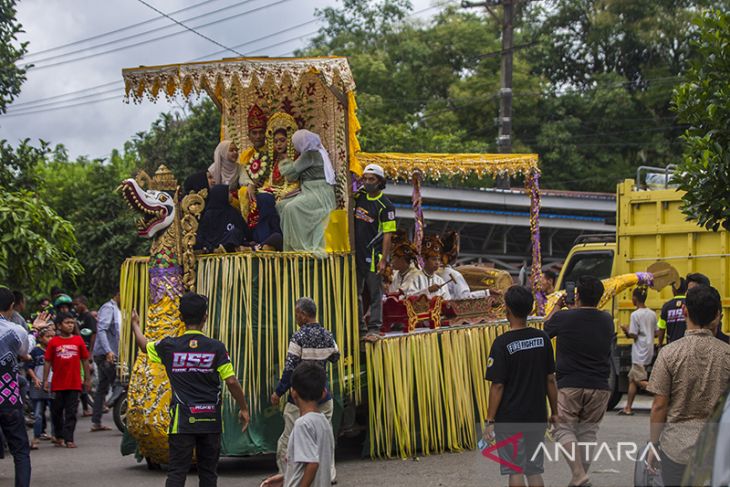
(512,440)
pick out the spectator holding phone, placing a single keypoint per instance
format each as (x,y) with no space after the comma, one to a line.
(584,335)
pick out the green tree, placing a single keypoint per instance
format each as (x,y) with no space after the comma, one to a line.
(703,102)
(37,247)
(592,81)
(185,144)
(609,67)
(83,192)
(11,76)
(18,165)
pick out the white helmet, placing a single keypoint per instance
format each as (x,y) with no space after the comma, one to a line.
(374,169)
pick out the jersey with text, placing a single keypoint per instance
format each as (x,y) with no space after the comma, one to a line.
(196,365)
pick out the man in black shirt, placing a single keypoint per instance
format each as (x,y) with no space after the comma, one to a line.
(522,371)
(672,324)
(87,328)
(583,345)
(195,365)
(374,226)
(87,322)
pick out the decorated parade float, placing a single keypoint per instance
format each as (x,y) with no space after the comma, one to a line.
(422,386)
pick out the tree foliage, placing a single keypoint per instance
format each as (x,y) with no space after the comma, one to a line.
(83,192)
(591,90)
(37,246)
(185,144)
(703,102)
(11,75)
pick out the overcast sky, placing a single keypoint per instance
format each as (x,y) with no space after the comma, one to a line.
(101,121)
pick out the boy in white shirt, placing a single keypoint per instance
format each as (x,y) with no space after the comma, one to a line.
(312,443)
(642,329)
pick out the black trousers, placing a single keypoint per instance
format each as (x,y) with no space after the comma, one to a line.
(63,413)
(373,283)
(107,374)
(207,450)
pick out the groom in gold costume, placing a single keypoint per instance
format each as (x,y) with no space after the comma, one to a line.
(258,208)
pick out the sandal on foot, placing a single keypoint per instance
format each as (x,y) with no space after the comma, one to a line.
(71,444)
(624,413)
(100,427)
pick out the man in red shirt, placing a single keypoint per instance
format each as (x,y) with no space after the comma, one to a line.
(66,354)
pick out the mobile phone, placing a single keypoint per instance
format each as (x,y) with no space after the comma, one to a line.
(570,292)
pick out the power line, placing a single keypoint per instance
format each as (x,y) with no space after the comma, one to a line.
(45,110)
(103,85)
(115,31)
(166,36)
(40,108)
(141,34)
(189,28)
(37,103)
(43,101)
(62,95)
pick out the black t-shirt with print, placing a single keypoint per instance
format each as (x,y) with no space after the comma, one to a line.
(672,318)
(521,360)
(87,321)
(372,215)
(195,365)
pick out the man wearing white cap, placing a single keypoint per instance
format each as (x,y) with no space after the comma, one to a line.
(374,226)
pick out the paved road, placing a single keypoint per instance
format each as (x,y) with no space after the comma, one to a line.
(97,461)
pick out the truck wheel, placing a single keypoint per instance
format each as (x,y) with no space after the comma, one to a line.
(615,394)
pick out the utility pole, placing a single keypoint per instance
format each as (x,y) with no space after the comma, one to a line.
(504,139)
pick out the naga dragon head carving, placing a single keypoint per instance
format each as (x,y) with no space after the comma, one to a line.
(156,203)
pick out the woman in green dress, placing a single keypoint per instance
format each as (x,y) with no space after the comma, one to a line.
(304,217)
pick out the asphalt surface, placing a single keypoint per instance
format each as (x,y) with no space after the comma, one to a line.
(97,461)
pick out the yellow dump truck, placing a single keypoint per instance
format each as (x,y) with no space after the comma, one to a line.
(650,227)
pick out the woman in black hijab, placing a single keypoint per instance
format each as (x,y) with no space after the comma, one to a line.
(197,182)
(220,223)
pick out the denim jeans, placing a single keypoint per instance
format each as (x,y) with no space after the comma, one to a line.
(12,423)
(39,413)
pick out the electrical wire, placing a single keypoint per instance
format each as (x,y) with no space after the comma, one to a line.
(115,31)
(166,36)
(43,101)
(207,56)
(36,104)
(189,28)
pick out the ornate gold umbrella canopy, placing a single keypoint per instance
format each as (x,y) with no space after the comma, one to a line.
(319,92)
(435,166)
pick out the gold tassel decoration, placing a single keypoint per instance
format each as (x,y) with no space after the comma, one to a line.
(426,390)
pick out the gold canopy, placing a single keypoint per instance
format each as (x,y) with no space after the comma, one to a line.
(404,166)
(218,77)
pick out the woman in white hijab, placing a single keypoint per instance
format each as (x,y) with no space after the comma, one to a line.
(225,163)
(304,217)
